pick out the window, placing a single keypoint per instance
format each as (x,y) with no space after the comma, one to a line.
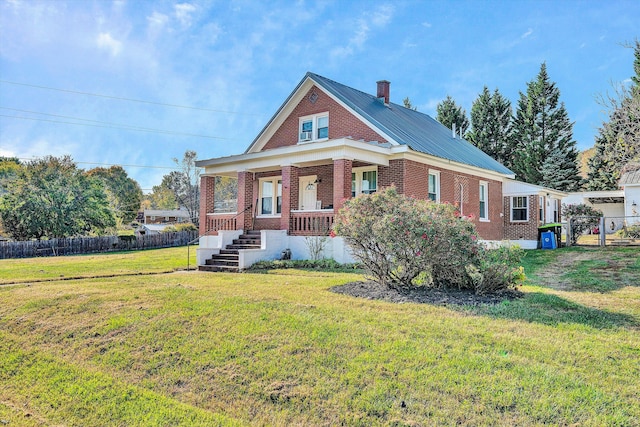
(519,208)
(541,208)
(270,196)
(314,128)
(555,210)
(434,186)
(364,181)
(484,197)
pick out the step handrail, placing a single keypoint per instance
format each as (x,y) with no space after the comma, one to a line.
(211,231)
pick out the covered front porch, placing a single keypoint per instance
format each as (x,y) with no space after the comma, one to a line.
(298,191)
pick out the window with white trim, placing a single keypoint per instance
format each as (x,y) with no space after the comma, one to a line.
(364,181)
(270,195)
(484,201)
(541,208)
(519,208)
(434,186)
(314,128)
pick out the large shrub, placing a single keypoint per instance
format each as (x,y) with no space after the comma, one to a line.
(404,242)
(582,218)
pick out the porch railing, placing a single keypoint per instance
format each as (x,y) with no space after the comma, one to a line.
(311,223)
(221,222)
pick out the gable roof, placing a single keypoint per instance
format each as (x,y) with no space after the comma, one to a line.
(404,126)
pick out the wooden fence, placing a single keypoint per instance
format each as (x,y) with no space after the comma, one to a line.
(86,245)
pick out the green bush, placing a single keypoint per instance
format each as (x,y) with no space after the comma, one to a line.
(321,264)
(404,242)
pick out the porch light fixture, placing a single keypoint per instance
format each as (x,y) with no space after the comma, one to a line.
(310,186)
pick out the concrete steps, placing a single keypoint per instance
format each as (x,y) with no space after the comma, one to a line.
(228,258)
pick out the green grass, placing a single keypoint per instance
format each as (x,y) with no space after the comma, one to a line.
(279,349)
(95,265)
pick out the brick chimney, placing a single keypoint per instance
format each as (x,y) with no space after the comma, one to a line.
(383,90)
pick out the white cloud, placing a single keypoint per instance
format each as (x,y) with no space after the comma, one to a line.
(379,18)
(184,12)
(106,41)
(426,24)
(157,20)
(527,34)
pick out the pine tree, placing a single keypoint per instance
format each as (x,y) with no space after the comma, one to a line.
(450,113)
(491,125)
(541,125)
(618,140)
(407,103)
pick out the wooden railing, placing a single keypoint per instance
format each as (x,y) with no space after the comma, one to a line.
(220,222)
(311,223)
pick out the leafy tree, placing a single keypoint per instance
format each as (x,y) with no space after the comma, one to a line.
(407,103)
(542,125)
(491,125)
(124,193)
(161,197)
(450,113)
(9,167)
(185,184)
(51,197)
(618,140)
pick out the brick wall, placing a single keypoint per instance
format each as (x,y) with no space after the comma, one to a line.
(341,122)
(245,199)
(207,185)
(412,178)
(521,230)
(341,182)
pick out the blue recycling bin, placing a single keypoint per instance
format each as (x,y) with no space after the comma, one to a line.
(548,240)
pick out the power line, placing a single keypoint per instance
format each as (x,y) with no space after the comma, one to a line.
(111,164)
(105,125)
(129,99)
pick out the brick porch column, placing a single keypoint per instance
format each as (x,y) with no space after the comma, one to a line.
(245,199)
(289,185)
(207,192)
(341,182)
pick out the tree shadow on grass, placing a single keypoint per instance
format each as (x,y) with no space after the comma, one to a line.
(551,309)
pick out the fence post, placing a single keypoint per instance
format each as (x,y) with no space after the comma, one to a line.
(569,232)
(603,233)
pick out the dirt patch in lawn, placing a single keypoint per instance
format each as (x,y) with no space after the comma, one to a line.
(376,291)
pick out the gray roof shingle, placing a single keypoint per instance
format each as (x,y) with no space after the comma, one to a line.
(408,127)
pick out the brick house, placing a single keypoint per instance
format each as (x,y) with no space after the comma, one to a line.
(329,142)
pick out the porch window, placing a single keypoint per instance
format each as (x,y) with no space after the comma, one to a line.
(434,186)
(270,196)
(364,181)
(484,197)
(314,128)
(519,209)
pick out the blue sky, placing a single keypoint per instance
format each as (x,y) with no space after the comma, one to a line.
(234,63)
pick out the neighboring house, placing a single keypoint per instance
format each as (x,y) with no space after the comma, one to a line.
(151,229)
(171,216)
(619,207)
(329,142)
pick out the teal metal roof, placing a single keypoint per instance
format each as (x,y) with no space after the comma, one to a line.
(408,127)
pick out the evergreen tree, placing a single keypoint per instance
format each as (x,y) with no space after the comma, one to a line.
(491,125)
(450,113)
(407,103)
(541,125)
(618,140)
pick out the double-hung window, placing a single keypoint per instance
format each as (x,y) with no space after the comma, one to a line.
(541,208)
(434,186)
(519,209)
(314,128)
(484,198)
(271,196)
(364,181)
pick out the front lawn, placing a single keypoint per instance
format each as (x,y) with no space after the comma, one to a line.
(279,348)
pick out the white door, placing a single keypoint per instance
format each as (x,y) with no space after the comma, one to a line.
(308,192)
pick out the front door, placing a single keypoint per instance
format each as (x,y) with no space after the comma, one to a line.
(308,192)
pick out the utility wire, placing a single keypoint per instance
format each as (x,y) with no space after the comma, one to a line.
(111,164)
(128,99)
(105,125)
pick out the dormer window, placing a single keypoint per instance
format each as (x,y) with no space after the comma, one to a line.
(314,128)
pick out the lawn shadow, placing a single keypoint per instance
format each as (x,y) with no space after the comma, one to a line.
(549,309)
